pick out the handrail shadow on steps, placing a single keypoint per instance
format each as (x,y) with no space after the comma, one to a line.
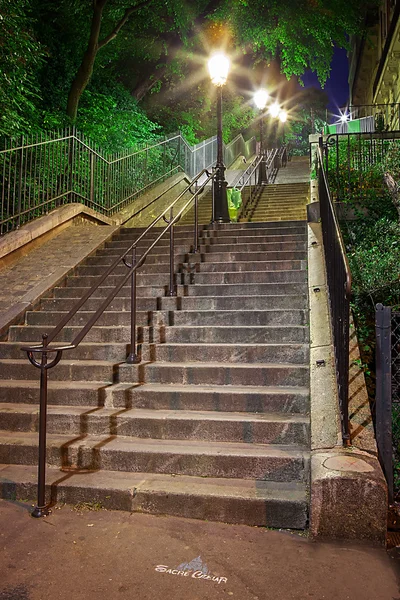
(135,263)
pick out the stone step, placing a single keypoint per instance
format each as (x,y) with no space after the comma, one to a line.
(181,317)
(245,289)
(233,353)
(216,373)
(201,459)
(285,228)
(281,301)
(237,227)
(276,245)
(160,424)
(246,399)
(111,351)
(184,267)
(179,352)
(183,334)
(107,259)
(213,241)
(242,501)
(236,334)
(157,280)
(83,370)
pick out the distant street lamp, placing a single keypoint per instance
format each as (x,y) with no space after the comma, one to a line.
(218,67)
(283,119)
(274,110)
(261,98)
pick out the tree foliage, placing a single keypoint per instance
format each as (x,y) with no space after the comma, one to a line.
(21,56)
(86,60)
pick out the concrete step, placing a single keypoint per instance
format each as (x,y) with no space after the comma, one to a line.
(234,353)
(236,334)
(201,459)
(157,280)
(243,353)
(227,240)
(245,399)
(246,289)
(83,370)
(183,303)
(183,267)
(182,334)
(252,502)
(216,373)
(111,351)
(181,317)
(160,424)
(157,396)
(220,257)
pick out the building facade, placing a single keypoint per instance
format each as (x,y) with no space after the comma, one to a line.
(374,70)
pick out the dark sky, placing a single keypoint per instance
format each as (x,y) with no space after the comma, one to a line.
(337,86)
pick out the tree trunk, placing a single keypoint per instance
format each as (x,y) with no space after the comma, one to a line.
(145,85)
(86,68)
(393,188)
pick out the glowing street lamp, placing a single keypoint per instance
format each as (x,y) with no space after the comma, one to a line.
(274,110)
(218,67)
(283,116)
(283,119)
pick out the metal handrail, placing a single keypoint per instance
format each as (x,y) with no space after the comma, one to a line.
(339,291)
(251,170)
(133,358)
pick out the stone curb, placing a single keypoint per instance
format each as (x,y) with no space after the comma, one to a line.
(348,498)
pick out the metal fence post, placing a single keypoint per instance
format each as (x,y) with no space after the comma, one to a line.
(384,393)
(20,180)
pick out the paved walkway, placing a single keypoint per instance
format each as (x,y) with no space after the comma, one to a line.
(24,281)
(87,555)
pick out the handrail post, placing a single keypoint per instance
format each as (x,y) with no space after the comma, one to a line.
(384,393)
(133,356)
(20,180)
(91,191)
(172,288)
(196,224)
(41,510)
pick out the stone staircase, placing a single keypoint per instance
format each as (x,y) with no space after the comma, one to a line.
(213,423)
(278,202)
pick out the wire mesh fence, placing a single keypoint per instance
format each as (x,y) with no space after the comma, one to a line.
(42,172)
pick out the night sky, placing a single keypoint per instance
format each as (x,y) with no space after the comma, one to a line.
(337,86)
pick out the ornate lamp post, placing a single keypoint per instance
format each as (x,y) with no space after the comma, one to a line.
(261,98)
(218,67)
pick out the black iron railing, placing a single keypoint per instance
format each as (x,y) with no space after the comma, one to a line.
(133,262)
(339,291)
(355,162)
(41,173)
(387,397)
(250,183)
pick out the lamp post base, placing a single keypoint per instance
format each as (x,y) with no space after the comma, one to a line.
(40,511)
(262,172)
(220,211)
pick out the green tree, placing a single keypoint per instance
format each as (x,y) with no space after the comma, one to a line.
(20,58)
